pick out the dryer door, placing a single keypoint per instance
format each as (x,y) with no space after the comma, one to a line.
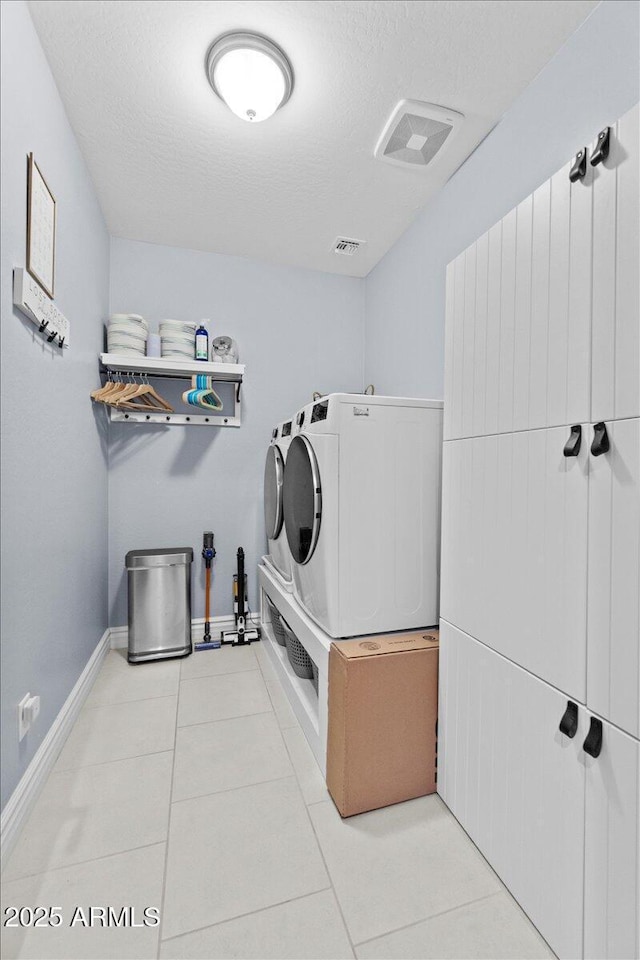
(302,499)
(273,484)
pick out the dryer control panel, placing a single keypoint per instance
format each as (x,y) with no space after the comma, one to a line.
(320,411)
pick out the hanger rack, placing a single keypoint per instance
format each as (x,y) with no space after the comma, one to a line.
(144,367)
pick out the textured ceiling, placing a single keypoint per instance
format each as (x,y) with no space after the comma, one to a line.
(173,165)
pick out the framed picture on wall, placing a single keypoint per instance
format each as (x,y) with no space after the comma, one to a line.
(41,228)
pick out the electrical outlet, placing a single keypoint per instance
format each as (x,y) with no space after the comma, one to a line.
(23,721)
(28,710)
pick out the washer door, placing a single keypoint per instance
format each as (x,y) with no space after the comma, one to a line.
(273,484)
(302,499)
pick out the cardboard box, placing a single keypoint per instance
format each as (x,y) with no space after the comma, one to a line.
(383,710)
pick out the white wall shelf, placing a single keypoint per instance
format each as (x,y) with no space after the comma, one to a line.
(161,367)
(176,370)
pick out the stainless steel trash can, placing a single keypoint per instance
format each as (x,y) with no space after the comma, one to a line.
(159,603)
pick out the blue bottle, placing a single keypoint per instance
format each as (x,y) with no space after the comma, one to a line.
(202,343)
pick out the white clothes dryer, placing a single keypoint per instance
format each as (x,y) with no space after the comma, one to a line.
(362,512)
(279,556)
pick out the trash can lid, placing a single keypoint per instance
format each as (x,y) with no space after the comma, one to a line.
(163,557)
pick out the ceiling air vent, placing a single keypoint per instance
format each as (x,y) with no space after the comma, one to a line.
(346,246)
(416,132)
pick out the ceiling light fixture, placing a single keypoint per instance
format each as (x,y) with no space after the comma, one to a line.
(250,73)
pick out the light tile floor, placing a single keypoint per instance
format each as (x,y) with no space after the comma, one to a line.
(189,787)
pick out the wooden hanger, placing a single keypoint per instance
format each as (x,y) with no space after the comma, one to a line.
(147,396)
(110,389)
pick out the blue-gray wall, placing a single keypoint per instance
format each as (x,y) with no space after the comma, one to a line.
(297,330)
(54,474)
(590,82)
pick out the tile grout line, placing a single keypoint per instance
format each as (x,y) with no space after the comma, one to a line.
(229,673)
(101,763)
(242,786)
(121,703)
(242,916)
(78,863)
(239,716)
(163,895)
(166,696)
(292,776)
(333,889)
(504,887)
(337,899)
(171,800)
(433,916)
(317,840)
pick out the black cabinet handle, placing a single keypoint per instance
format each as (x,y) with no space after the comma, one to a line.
(579,166)
(600,443)
(572,446)
(593,742)
(601,149)
(569,722)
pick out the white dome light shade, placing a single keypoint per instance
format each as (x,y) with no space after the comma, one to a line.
(251,74)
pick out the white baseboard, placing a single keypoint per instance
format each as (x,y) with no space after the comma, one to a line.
(120,635)
(22,799)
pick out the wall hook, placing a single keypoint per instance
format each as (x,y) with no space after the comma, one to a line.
(579,166)
(601,150)
(43,326)
(61,342)
(52,336)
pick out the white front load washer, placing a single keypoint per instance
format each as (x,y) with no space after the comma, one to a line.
(362,512)
(279,557)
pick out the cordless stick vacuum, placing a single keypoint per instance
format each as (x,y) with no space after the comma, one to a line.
(241,634)
(208,553)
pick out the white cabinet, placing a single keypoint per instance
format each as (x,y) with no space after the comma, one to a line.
(515,783)
(542,810)
(514,549)
(616,295)
(543,333)
(612,849)
(521,352)
(540,574)
(517,345)
(613,644)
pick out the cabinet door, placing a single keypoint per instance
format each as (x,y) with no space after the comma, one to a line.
(616,260)
(612,849)
(613,638)
(514,550)
(515,783)
(454,346)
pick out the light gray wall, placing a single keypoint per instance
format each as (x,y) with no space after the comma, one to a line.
(54,475)
(297,330)
(591,81)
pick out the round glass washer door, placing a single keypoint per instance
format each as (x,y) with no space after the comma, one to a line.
(302,499)
(273,488)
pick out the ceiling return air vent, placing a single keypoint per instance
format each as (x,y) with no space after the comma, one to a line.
(346,246)
(416,133)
